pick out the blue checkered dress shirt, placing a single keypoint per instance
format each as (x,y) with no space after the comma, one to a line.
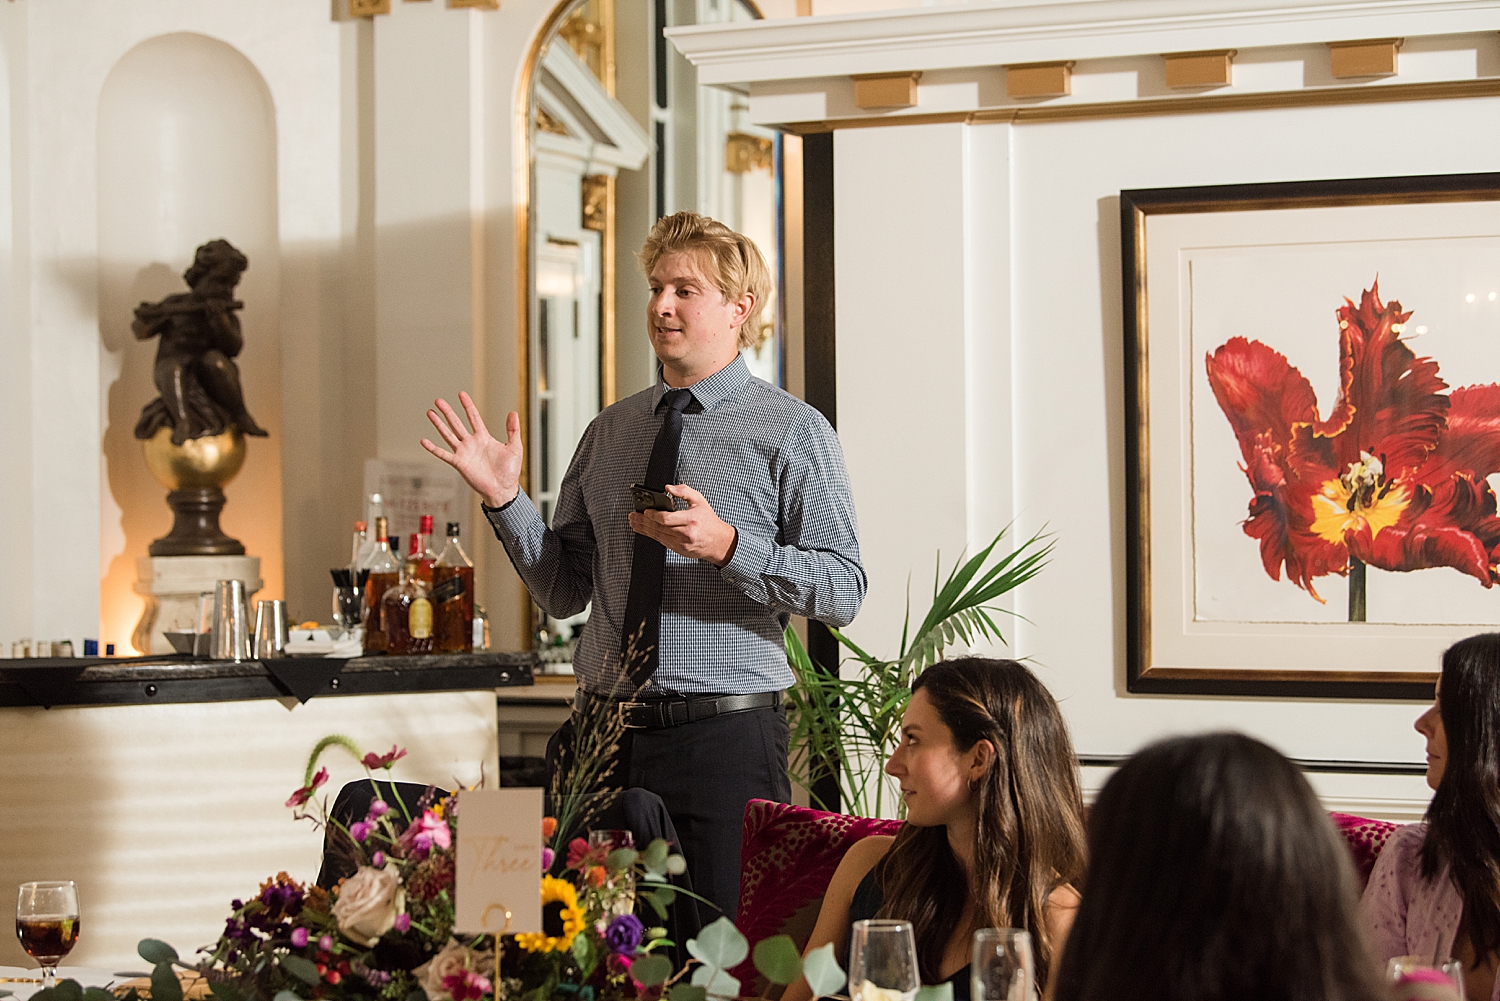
(769,465)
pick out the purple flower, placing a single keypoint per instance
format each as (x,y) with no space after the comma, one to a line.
(299,938)
(326,943)
(378,860)
(403,922)
(379,808)
(548,855)
(623,936)
(360,830)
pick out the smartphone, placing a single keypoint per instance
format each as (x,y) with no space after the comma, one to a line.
(647,499)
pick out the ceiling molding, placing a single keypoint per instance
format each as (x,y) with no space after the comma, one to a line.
(1008,31)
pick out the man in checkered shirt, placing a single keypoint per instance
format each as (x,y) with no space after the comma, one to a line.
(764,529)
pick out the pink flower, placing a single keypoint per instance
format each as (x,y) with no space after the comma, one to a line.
(378,860)
(360,830)
(304,794)
(578,850)
(427,831)
(548,856)
(299,938)
(467,986)
(326,943)
(379,808)
(373,761)
(403,922)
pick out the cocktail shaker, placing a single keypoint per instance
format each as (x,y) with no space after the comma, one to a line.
(270,629)
(231,631)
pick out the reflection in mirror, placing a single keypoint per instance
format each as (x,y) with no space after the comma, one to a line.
(620,135)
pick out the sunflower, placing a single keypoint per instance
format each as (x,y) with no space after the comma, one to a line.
(562,918)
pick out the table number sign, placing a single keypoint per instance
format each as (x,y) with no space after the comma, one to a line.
(497,884)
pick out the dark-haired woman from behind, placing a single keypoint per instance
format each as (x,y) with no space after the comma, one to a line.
(1215,875)
(994,825)
(1435,890)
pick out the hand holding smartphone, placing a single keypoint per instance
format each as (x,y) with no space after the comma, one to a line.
(646,499)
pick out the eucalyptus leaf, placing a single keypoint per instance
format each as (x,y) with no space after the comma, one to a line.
(164,983)
(621,858)
(224,991)
(290,996)
(155,951)
(97,994)
(822,970)
(676,865)
(721,945)
(778,960)
(303,969)
(716,982)
(651,970)
(584,955)
(655,856)
(666,894)
(686,992)
(657,905)
(935,992)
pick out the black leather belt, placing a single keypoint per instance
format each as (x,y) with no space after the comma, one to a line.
(659,714)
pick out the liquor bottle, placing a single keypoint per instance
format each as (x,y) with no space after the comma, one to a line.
(361,532)
(384,571)
(406,613)
(453,597)
(374,508)
(426,558)
(481,627)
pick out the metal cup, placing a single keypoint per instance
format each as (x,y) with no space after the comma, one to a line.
(270,629)
(231,632)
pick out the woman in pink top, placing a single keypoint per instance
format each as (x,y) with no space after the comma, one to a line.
(1435,890)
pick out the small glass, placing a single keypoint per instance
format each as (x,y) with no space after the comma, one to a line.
(883,961)
(1426,968)
(47,923)
(1001,967)
(611,839)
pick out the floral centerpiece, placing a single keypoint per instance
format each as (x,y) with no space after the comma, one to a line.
(386,932)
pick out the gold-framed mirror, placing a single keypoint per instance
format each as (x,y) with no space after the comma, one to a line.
(615,133)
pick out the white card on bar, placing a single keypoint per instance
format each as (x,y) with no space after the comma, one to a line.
(498,883)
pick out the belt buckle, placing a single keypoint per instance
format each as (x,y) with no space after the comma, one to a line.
(627,709)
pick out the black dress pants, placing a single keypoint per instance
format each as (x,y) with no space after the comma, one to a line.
(705,773)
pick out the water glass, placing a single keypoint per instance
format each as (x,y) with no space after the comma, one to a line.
(1001,968)
(1426,968)
(883,961)
(47,924)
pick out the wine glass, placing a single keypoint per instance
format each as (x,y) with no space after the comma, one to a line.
(1001,967)
(883,961)
(47,924)
(1426,969)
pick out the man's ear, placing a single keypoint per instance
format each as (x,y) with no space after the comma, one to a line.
(742,307)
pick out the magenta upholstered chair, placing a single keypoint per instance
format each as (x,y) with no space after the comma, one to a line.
(789,854)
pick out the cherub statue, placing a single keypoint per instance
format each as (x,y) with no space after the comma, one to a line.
(200,337)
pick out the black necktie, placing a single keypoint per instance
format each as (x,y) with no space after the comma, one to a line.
(640,633)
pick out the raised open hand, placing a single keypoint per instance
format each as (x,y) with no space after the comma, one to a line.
(492,468)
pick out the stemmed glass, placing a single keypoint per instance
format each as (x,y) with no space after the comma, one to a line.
(47,924)
(1001,967)
(1424,969)
(883,961)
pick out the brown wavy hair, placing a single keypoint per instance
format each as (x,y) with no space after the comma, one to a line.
(1029,839)
(732,261)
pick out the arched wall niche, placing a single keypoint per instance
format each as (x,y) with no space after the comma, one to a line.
(187,154)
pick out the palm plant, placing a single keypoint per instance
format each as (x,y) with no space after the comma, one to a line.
(849,726)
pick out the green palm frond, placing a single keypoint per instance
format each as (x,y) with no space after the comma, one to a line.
(853,724)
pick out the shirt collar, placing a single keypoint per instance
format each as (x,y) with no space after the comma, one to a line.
(709,392)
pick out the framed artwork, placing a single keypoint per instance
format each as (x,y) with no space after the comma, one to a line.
(1312,388)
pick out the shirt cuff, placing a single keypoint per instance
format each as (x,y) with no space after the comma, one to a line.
(511,519)
(751,554)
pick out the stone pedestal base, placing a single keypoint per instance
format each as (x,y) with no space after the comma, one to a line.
(172,586)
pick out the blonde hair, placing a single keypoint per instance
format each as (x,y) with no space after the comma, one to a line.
(732,261)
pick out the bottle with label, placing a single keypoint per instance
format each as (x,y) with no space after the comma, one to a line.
(453,597)
(374,508)
(406,613)
(384,571)
(426,558)
(361,533)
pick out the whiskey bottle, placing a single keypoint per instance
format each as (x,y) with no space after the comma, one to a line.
(406,612)
(384,572)
(453,597)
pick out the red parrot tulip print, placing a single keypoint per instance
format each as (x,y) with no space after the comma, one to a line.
(1396,475)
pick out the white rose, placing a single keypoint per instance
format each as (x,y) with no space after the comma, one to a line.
(368,904)
(455,958)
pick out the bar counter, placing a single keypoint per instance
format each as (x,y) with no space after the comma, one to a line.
(125,681)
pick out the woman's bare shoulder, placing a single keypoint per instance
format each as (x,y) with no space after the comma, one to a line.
(861,857)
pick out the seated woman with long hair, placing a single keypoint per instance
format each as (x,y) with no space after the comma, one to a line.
(1435,891)
(994,824)
(1215,875)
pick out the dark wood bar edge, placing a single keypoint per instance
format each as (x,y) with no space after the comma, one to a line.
(122,681)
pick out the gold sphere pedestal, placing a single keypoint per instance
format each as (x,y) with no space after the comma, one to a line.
(195,473)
